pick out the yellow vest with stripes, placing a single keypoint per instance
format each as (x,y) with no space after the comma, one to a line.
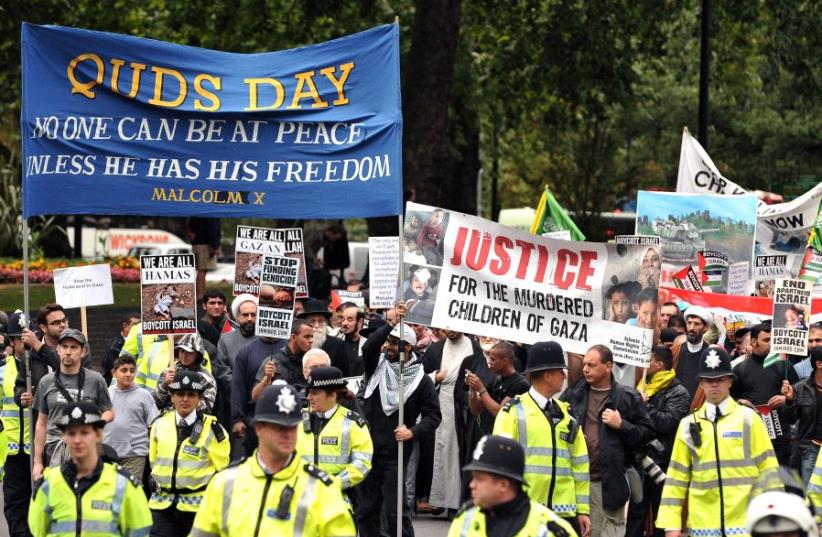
(541,522)
(152,356)
(14,418)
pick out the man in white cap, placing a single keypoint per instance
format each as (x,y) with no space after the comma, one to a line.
(697,321)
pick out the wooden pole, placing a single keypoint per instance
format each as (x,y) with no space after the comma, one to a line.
(400,459)
(26,323)
(84,321)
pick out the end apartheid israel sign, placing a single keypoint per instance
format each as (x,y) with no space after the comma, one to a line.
(137,126)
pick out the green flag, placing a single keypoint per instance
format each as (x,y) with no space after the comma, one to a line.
(551,217)
(811,268)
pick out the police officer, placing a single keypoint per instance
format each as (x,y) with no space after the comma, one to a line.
(334,438)
(86,496)
(274,492)
(498,505)
(556,456)
(17,479)
(186,448)
(719,452)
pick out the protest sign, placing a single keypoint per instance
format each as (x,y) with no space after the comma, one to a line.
(692,223)
(275,309)
(738,281)
(384,270)
(479,277)
(140,126)
(88,285)
(686,278)
(253,244)
(781,228)
(645,240)
(791,316)
(770,267)
(168,297)
(713,265)
(355,297)
(770,417)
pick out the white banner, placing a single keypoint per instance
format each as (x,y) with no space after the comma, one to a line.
(383,271)
(508,284)
(83,286)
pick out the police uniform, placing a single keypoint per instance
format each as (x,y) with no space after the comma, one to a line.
(719,453)
(556,456)
(108,502)
(153,355)
(299,499)
(183,458)
(519,517)
(337,441)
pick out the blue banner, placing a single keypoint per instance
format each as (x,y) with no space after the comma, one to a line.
(115,124)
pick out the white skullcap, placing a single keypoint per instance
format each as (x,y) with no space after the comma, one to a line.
(408,334)
(239,301)
(702,313)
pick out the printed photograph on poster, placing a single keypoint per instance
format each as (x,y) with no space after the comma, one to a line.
(384,263)
(418,292)
(791,316)
(423,235)
(253,244)
(692,223)
(512,285)
(168,297)
(275,309)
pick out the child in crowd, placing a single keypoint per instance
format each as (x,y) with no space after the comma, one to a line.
(134,410)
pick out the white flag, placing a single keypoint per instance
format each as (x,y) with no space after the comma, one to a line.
(697,172)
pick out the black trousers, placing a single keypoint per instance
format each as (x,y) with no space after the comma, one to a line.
(171,522)
(16,494)
(635,524)
(380,488)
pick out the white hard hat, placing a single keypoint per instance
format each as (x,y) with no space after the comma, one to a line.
(780,512)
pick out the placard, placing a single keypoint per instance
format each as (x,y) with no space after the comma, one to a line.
(275,309)
(168,295)
(738,280)
(88,285)
(384,269)
(791,316)
(253,244)
(770,267)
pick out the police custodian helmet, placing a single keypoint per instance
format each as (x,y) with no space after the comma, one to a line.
(499,455)
(279,404)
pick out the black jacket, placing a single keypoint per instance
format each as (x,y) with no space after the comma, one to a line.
(422,403)
(616,446)
(666,408)
(290,369)
(802,408)
(40,363)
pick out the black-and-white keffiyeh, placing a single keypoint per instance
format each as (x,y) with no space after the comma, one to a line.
(386,376)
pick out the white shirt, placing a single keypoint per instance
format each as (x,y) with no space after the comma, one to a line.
(190,419)
(540,399)
(710,409)
(327,415)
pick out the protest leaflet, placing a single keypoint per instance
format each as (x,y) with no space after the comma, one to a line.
(738,281)
(691,225)
(278,283)
(168,296)
(253,244)
(384,263)
(791,316)
(472,275)
(88,285)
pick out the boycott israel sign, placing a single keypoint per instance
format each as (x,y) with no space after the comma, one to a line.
(465,273)
(791,316)
(253,244)
(168,298)
(145,127)
(275,310)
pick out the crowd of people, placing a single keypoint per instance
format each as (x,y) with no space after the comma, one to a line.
(223,432)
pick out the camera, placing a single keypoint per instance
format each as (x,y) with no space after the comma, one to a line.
(647,463)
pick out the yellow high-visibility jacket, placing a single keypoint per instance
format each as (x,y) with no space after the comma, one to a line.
(342,449)
(244,501)
(541,522)
(714,474)
(153,357)
(15,425)
(556,456)
(182,469)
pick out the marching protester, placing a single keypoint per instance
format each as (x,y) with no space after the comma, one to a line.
(187,447)
(316,315)
(556,456)
(804,368)
(84,495)
(15,420)
(288,364)
(334,439)
(71,382)
(803,404)
(719,452)
(666,311)
(244,311)
(116,345)
(383,373)
(189,355)
(351,323)
(274,492)
(214,320)
(499,506)
(697,321)
(614,421)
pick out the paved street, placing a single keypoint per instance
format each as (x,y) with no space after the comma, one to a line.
(428,526)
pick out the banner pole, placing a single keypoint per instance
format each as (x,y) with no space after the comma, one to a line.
(27,363)
(400,459)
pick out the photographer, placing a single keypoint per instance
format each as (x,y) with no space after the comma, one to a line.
(668,402)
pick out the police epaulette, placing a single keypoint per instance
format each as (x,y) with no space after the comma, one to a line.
(555,529)
(353,416)
(511,402)
(319,474)
(217,429)
(465,507)
(125,473)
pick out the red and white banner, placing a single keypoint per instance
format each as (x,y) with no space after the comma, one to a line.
(752,309)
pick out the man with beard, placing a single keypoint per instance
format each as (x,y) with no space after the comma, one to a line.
(443,363)
(380,406)
(351,322)
(697,322)
(316,315)
(759,385)
(244,310)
